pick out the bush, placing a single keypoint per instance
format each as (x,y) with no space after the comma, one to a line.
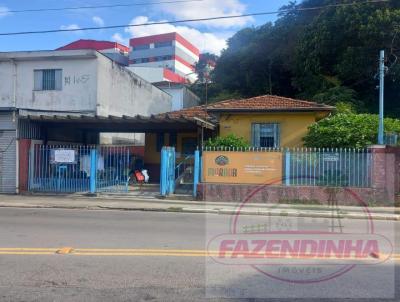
(348,130)
(230,140)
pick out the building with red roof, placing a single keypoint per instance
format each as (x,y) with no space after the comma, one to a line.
(169,51)
(115,51)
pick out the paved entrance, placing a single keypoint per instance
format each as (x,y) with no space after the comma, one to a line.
(182,177)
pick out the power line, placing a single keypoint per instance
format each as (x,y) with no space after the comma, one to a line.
(192,20)
(98,6)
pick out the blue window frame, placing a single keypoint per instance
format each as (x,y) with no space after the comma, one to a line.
(266,135)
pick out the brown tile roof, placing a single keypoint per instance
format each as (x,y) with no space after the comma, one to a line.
(268,103)
(187,113)
(265,103)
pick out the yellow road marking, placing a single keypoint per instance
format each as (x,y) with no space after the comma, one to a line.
(27,249)
(26,253)
(142,252)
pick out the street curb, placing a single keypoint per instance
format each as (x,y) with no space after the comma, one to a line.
(150,200)
(391,217)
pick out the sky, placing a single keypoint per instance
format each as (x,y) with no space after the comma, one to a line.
(208,36)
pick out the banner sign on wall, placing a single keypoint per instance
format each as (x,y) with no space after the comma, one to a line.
(62,156)
(242,167)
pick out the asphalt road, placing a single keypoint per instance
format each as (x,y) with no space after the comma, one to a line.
(150,256)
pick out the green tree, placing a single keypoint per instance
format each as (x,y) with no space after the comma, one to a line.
(230,140)
(328,55)
(348,130)
(202,67)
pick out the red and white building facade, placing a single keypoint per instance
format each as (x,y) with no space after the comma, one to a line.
(167,57)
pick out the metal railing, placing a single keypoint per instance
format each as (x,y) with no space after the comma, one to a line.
(69,168)
(337,167)
(242,149)
(328,167)
(184,170)
(113,168)
(391,139)
(59,168)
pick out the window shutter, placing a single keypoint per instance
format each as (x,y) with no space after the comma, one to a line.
(58,79)
(277,134)
(38,80)
(256,135)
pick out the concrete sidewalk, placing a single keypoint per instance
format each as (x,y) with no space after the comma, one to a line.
(118,202)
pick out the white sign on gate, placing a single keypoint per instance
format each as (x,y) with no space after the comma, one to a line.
(66,156)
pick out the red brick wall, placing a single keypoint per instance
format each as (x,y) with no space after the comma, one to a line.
(396,152)
(288,194)
(24,146)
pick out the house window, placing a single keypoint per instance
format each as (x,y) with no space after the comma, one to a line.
(48,79)
(163,44)
(266,135)
(189,145)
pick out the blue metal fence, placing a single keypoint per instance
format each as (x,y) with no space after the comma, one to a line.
(391,139)
(328,167)
(334,167)
(75,168)
(113,168)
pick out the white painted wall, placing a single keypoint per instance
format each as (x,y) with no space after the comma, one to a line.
(188,52)
(92,83)
(177,97)
(150,74)
(182,97)
(121,92)
(163,64)
(79,82)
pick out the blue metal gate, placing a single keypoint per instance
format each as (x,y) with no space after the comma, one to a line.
(71,169)
(171,174)
(167,173)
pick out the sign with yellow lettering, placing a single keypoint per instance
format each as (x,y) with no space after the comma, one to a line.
(242,167)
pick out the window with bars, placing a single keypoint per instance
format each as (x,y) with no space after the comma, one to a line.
(48,79)
(266,135)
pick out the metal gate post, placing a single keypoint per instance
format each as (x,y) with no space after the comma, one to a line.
(163,172)
(171,170)
(93,170)
(287,167)
(196,171)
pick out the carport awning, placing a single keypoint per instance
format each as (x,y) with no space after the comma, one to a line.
(138,123)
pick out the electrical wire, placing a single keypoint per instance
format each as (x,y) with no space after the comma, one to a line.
(192,20)
(34,10)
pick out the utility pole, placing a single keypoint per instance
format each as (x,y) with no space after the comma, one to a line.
(381,96)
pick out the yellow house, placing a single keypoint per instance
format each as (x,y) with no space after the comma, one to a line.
(264,121)
(268,121)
